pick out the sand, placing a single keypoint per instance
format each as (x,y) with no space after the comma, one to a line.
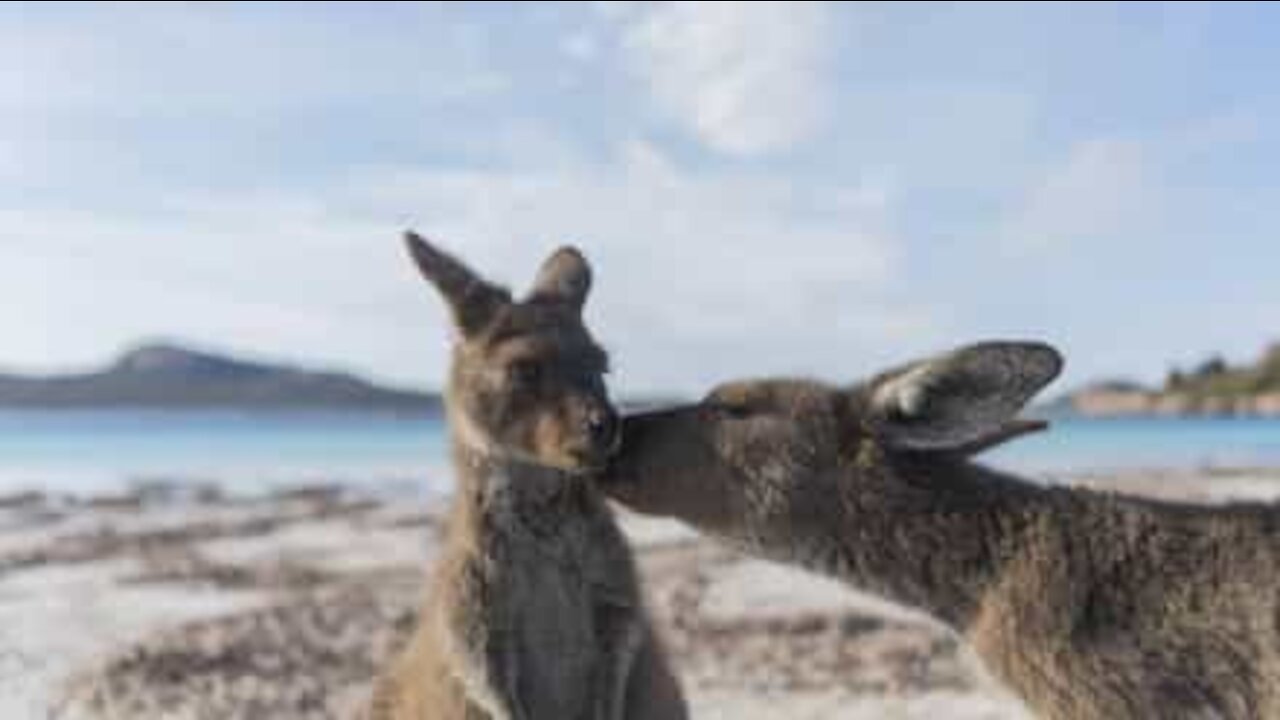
(284,606)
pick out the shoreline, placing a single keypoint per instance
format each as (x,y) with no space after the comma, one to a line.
(175,601)
(428,479)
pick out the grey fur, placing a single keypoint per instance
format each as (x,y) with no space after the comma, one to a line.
(535,610)
(1088,605)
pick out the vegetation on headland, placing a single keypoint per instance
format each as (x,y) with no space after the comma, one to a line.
(1213,388)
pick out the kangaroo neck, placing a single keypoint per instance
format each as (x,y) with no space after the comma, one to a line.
(506,489)
(937,535)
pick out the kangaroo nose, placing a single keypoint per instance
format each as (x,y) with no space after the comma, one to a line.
(602,426)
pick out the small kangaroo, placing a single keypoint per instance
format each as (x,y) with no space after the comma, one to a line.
(1086,604)
(534,611)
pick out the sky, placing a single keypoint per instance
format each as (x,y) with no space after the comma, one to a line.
(762,188)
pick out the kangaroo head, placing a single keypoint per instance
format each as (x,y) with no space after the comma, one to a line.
(527,378)
(752,447)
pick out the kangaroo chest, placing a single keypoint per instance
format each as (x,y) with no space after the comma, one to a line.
(559,597)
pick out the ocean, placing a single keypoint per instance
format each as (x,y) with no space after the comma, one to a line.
(105,450)
(96,451)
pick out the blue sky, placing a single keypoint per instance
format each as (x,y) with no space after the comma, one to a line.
(762,188)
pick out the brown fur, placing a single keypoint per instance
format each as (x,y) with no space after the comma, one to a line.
(534,610)
(1088,605)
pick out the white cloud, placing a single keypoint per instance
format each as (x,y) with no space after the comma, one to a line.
(236,272)
(746,78)
(187,60)
(616,9)
(702,275)
(1101,191)
(240,174)
(580,46)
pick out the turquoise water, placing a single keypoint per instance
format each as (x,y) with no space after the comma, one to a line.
(1085,444)
(91,450)
(87,451)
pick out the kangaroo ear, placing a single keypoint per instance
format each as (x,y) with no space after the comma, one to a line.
(472,300)
(964,401)
(564,277)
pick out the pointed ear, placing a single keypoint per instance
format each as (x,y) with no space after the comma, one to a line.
(472,300)
(564,277)
(964,401)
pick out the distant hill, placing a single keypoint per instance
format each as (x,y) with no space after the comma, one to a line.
(1211,388)
(170,376)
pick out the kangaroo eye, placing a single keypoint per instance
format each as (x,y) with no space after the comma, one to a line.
(525,372)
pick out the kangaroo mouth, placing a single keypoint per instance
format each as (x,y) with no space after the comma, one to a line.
(595,459)
(601,451)
(591,461)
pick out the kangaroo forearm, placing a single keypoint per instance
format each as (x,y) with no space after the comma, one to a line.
(483,659)
(488,677)
(621,641)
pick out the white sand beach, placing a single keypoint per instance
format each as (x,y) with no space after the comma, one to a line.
(283,606)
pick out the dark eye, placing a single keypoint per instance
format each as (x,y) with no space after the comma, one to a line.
(525,372)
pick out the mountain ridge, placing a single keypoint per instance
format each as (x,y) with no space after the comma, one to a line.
(173,375)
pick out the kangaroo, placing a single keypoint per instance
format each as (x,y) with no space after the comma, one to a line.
(534,611)
(1086,604)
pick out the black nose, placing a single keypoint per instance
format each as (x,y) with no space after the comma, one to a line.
(602,427)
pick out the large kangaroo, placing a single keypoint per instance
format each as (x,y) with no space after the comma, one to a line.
(534,611)
(1088,605)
